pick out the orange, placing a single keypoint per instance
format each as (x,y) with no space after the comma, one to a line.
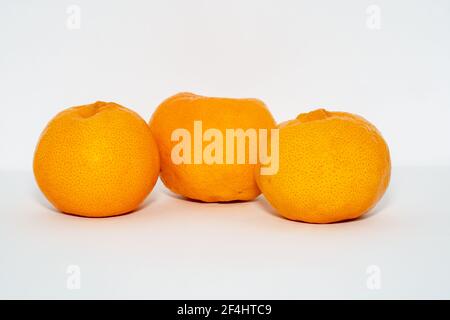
(211,181)
(96,160)
(334,166)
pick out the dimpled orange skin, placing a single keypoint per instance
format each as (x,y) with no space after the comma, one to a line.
(96,160)
(334,166)
(208,182)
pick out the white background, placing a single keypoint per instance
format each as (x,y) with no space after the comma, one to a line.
(295,56)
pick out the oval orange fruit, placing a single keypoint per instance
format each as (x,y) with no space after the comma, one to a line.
(333,166)
(96,160)
(197,178)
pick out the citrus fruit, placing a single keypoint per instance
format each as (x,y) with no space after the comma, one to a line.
(333,166)
(197,172)
(96,160)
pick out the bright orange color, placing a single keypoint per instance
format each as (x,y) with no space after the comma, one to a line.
(96,160)
(208,182)
(333,166)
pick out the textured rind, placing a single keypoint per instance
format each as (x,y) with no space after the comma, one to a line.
(334,166)
(215,182)
(96,160)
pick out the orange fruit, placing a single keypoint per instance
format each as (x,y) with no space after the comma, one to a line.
(333,166)
(209,181)
(96,160)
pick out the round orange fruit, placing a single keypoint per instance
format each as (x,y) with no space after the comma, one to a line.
(96,160)
(333,166)
(198,122)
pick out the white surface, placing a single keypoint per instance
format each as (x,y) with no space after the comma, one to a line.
(294,55)
(173,248)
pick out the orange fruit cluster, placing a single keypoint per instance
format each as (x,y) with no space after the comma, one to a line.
(103,159)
